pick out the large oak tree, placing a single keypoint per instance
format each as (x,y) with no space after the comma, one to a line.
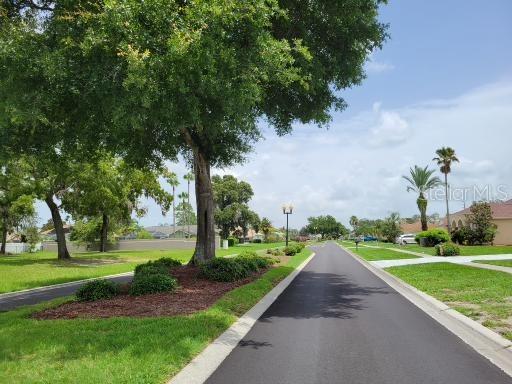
(151,80)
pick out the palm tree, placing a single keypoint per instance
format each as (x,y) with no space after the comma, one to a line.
(445,158)
(183,196)
(420,181)
(189,177)
(172,179)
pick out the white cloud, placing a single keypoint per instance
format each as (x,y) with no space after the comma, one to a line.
(355,166)
(375,66)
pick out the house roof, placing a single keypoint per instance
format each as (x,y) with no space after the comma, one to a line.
(411,227)
(501,210)
(169,229)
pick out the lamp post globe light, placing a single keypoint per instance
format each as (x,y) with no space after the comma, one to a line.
(287,210)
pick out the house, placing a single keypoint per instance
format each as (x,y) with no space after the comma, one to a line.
(411,227)
(169,231)
(501,217)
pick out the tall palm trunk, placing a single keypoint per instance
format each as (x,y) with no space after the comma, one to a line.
(62,250)
(422,206)
(448,224)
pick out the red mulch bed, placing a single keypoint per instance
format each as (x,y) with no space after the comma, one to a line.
(194,294)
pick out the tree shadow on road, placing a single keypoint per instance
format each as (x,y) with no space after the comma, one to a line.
(321,295)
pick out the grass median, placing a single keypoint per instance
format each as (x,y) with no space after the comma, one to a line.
(374,254)
(502,263)
(30,270)
(481,294)
(120,350)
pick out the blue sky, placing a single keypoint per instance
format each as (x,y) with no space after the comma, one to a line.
(443,78)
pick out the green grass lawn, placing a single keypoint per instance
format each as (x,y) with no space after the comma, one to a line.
(30,270)
(503,263)
(119,350)
(475,250)
(481,294)
(373,254)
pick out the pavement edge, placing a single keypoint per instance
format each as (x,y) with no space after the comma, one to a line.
(204,364)
(488,343)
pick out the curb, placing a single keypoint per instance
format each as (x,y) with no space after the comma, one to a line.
(204,364)
(9,295)
(488,343)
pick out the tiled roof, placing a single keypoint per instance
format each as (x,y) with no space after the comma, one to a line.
(499,210)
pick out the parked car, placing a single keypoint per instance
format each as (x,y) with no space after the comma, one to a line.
(369,238)
(407,238)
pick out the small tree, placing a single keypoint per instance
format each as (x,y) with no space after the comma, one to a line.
(479,226)
(266,227)
(391,227)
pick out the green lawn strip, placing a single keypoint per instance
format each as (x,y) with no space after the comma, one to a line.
(119,350)
(503,263)
(481,294)
(466,250)
(373,254)
(31,270)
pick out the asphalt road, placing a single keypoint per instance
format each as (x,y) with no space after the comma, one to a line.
(12,301)
(339,323)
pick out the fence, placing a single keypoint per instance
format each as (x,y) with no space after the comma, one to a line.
(16,248)
(131,245)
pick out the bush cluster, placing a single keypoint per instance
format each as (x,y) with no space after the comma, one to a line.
(293,249)
(154,277)
(447,249)
(97,290)
(235,268)
(275,252)
(232,241)
(433,237)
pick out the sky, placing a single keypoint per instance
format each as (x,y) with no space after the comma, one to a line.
(444,78)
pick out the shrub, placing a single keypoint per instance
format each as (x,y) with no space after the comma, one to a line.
(97,290)
(447,249)
(293,249)
(162,266)
(433,237)
(151,269)
(254,262)
(258,241)
(290,250)
(224,269)
(168,262)
(275,252)
(144,284)
(236,268)
(232,241)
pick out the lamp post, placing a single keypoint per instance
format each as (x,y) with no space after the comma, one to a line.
(287,210)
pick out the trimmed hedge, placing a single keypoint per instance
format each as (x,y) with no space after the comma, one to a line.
(293,249)
(447,249)
(433,237)
(144,284)
(97,290)
(235,268)
(154,277)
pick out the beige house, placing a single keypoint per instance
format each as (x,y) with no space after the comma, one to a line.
(502,217)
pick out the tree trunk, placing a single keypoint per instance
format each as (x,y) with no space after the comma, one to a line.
(422,206)
(205,241)
(62,250)
(448,224)
(174,210)
(4,235)
(104,234)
